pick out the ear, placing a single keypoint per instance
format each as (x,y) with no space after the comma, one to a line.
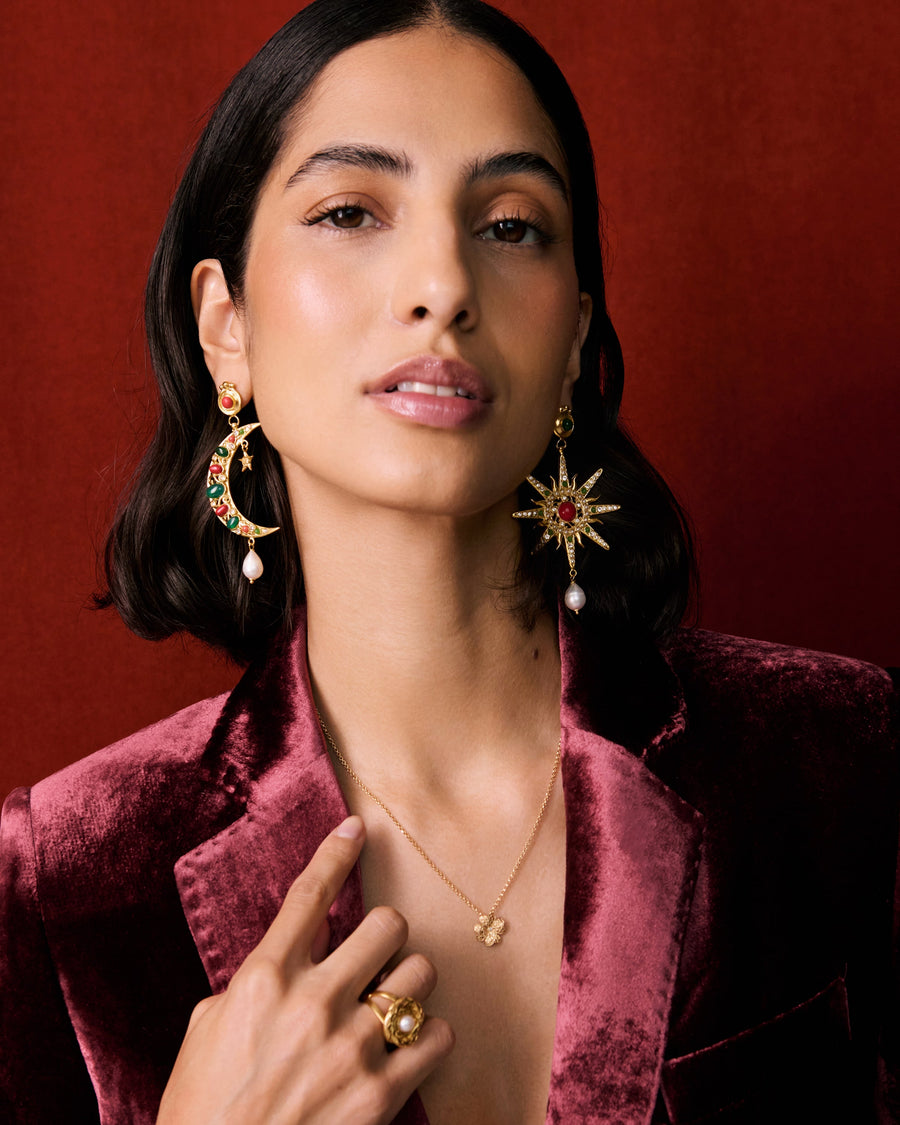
(573,366)
(221,330)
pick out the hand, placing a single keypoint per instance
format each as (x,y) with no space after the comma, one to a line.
(288,1042)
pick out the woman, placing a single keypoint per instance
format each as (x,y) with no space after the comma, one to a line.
(625,882)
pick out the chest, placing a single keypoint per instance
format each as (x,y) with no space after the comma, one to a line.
(500,1000)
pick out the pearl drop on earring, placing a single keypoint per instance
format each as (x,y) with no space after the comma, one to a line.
(575,599)
(253,567)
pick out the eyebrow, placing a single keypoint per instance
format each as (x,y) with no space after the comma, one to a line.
(353,156)
(376,159)
(516,163)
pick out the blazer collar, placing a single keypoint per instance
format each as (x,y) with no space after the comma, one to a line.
(619,685)
(267,751)
(632,856)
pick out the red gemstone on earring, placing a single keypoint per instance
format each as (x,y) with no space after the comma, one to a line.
(222,510)
(227,401)
(215,470)
(566,511)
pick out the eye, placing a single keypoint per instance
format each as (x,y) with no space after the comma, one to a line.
(347,216)
(516,231)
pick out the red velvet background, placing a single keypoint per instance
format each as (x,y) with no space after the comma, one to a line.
(747,156)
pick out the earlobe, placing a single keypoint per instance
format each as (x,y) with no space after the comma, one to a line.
(573,367)
(220,327)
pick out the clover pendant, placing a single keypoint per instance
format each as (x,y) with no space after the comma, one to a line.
(489,930)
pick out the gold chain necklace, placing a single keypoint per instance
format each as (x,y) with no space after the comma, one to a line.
(490,928)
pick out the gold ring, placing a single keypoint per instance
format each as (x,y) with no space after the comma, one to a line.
(403,1020)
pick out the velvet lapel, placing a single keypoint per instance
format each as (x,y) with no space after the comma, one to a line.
(268,750)
(633,848)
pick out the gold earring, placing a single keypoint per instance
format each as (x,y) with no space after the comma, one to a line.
(218,490)
(567,510)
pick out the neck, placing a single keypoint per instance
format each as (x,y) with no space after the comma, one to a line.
(418,663)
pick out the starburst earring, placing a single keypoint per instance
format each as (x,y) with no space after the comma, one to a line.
(567,510)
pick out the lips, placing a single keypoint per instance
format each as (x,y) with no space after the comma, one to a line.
(432,375)
(434,392)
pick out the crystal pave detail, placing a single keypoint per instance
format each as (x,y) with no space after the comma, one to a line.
(567,511)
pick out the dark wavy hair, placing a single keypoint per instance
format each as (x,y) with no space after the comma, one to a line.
(170,565)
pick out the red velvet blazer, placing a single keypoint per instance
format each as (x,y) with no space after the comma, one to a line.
(731,812)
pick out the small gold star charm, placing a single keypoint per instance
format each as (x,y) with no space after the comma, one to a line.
(567,511)
(246,463)
(489,930)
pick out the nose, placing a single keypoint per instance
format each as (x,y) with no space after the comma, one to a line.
(435,281)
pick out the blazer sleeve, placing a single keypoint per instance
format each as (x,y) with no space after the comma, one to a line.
(889,1054)
(43,1077)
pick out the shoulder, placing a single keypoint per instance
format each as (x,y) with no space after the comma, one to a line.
(785,728)
(148,760)
(762,678)
(141,801)
(88,897)
(160,792)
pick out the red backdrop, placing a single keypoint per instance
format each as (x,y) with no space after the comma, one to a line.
(747,156)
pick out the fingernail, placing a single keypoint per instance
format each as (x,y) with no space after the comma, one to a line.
(351,828)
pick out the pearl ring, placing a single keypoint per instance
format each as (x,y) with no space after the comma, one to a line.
(403,1020)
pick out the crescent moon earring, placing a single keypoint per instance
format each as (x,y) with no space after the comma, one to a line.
(567,510)
(218,490)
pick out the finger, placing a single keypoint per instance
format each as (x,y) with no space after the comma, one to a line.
(200,1011)
(310,896)
(415,976)
(321,942)
(407,1067)
(362,956)
(396,1073)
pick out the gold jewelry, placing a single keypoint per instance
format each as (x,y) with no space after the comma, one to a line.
(490,928)
(567,511)
(403,1020)
(218,490)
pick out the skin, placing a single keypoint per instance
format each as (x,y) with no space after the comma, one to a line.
(450,709)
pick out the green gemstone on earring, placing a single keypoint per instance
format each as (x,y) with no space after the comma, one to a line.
(221,451)
(567,424)
(215,491)
(232,522)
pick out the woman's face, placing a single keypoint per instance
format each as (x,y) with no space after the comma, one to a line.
(411,317)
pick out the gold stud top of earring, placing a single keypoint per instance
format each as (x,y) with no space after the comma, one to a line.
(564,425)
(228,399)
